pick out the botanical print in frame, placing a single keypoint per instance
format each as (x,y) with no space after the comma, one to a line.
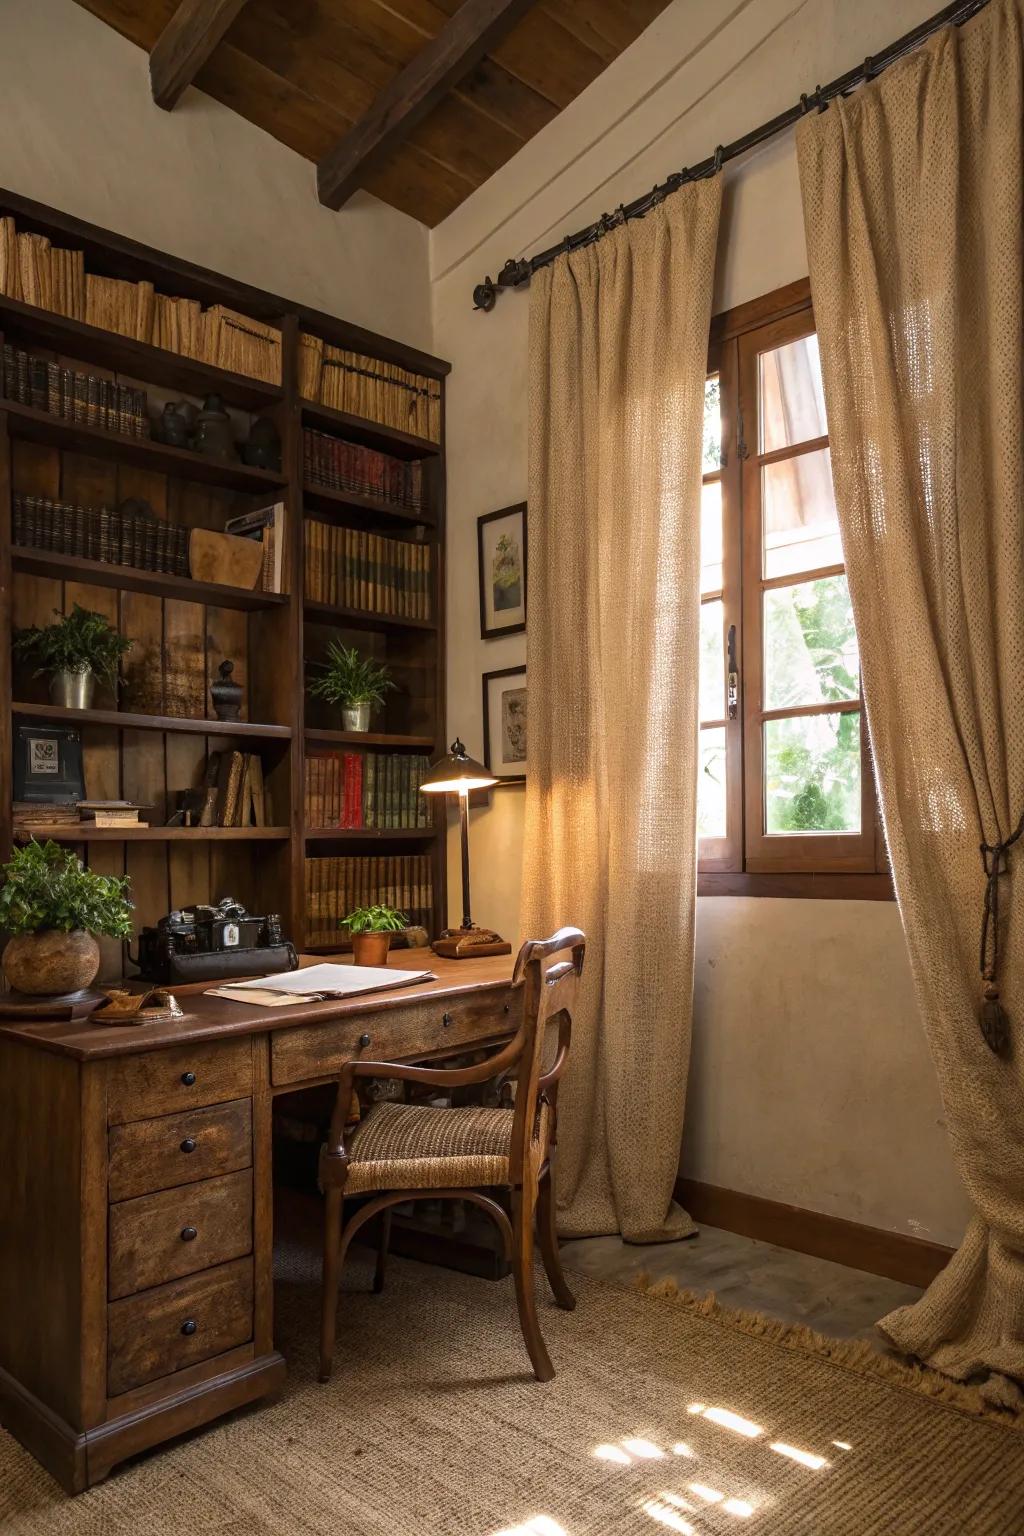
(501,556)
(506,750)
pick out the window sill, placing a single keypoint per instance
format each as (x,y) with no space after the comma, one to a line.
(803,885)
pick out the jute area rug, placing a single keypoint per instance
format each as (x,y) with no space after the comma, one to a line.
(661,1418)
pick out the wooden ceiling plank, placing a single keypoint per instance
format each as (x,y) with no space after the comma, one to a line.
(465,39)
(496,94)
(603,26)
(140,21)
(185,44)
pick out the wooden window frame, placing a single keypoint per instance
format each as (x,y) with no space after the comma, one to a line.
(748,861)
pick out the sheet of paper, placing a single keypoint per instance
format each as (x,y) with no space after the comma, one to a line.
(334,980)
(259,998)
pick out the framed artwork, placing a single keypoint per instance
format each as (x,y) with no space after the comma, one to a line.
(505,737)
(501,554)
(47,762)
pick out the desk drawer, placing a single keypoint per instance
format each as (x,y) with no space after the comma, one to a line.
(163,1330)
(395,1034)
(184,1077)
(178,1149)
(161,1237)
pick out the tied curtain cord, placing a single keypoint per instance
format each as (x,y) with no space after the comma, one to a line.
(618,354)
(914,211)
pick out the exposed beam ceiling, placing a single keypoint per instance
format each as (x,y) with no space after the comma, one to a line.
(475,28)
(185,44)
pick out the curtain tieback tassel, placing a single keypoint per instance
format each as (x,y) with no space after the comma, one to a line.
(995,1026)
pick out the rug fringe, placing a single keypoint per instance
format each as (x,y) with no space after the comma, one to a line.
(854,1354)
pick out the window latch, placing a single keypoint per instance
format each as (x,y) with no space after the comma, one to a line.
(734,676)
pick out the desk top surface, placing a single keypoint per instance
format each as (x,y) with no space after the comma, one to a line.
(212,1018)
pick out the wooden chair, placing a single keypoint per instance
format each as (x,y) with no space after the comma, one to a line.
(400,1152)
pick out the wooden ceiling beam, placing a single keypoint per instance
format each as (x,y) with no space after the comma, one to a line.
(185,44)
(475,28)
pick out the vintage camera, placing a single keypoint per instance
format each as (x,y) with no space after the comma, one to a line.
(213,943)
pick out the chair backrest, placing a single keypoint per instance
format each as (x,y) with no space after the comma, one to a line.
(549,971)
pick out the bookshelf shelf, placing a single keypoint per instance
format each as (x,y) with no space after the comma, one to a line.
(369,834)
(372,434)
(359,618)
(370,739)
(322,499)
(124,721)
(89,834)
(128,578)
(31,425)
(138,360)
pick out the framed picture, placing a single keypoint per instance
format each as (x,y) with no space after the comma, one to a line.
(47,762)
(501,552)
(505,738)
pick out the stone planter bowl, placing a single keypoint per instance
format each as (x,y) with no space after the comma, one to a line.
(50,963)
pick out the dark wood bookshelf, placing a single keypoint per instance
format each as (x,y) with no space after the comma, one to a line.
(181,629)
(129,578)
(31,425)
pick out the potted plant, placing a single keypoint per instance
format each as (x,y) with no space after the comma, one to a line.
(371,929)
(54,908)
(76,650)
(355,682)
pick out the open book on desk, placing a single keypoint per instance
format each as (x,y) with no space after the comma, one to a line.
(318,984)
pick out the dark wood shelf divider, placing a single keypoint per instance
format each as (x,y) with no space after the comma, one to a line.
(124,720)
(128,578)
(323,499)
(359,618)
(370,739)
(370,834)
(372,434)
(85,833)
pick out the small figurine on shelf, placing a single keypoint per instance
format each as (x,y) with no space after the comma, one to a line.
(262,449)
(175,425)
(226,694)
(213,435)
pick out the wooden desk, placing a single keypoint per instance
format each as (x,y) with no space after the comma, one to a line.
(136,1246)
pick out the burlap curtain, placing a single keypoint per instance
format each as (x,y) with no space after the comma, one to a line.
(618,355)
(913,205)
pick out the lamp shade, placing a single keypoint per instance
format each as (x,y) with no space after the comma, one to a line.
(455,772)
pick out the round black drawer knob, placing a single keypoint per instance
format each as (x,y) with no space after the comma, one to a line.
(189,1234)
(189,1144)
(446,1021)
(189,1079)
(189,1327)
(364,1041)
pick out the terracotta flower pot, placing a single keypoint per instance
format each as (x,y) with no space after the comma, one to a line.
(50,963)
(370,948)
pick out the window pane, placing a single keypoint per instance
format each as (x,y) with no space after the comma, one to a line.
(810,644)
(792,399)
(712,424)
(812,773)
(712,663)
(711,537)
(801,530)
(711,815)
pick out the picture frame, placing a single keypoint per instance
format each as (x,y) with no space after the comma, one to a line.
(506,745)
(47,762)
(502,571)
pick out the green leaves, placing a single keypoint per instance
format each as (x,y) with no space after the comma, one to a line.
(378,919)
(46,886)
(81,641)
(349,679)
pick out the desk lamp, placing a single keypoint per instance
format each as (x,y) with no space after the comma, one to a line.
(456,773)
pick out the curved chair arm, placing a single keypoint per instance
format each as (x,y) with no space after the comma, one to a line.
(539,949)
(554,1072)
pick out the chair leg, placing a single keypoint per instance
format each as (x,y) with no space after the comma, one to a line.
(548,1239)
(522,1265)
(383,1239)
(333,1204)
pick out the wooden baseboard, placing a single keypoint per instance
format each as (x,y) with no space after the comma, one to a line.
(910,1259)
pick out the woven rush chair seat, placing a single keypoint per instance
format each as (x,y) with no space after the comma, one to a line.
(417,1146)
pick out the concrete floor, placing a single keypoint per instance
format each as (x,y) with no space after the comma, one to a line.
(793,1287)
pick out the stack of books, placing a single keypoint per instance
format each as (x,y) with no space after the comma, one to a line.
(350,568)
(96,533)
(365,386)
(32,270)
(265,525)
(37,818)
(84,398)
(234,794)
(335,887)
(341,466)
(351,790)
(111,813)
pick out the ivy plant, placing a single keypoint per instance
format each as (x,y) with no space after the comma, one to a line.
(46,886)
(80,641)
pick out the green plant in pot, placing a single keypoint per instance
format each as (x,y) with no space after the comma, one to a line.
(81,647)
(53,908)
(370,929)
(356,682)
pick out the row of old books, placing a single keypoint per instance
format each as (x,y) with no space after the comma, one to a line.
(234,793)
(366,387)
(36,272)
(351,790)
(337,886)
(84,398)
(342,466)
(98,533)
(350,568)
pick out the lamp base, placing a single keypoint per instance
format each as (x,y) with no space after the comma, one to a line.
(469,943)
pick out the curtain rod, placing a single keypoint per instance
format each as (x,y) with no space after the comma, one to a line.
(514,274)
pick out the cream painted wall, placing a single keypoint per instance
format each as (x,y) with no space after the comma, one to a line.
(811,1083)
(81,132)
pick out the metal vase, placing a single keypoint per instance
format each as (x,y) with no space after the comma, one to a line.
(72,690)
(356,718)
